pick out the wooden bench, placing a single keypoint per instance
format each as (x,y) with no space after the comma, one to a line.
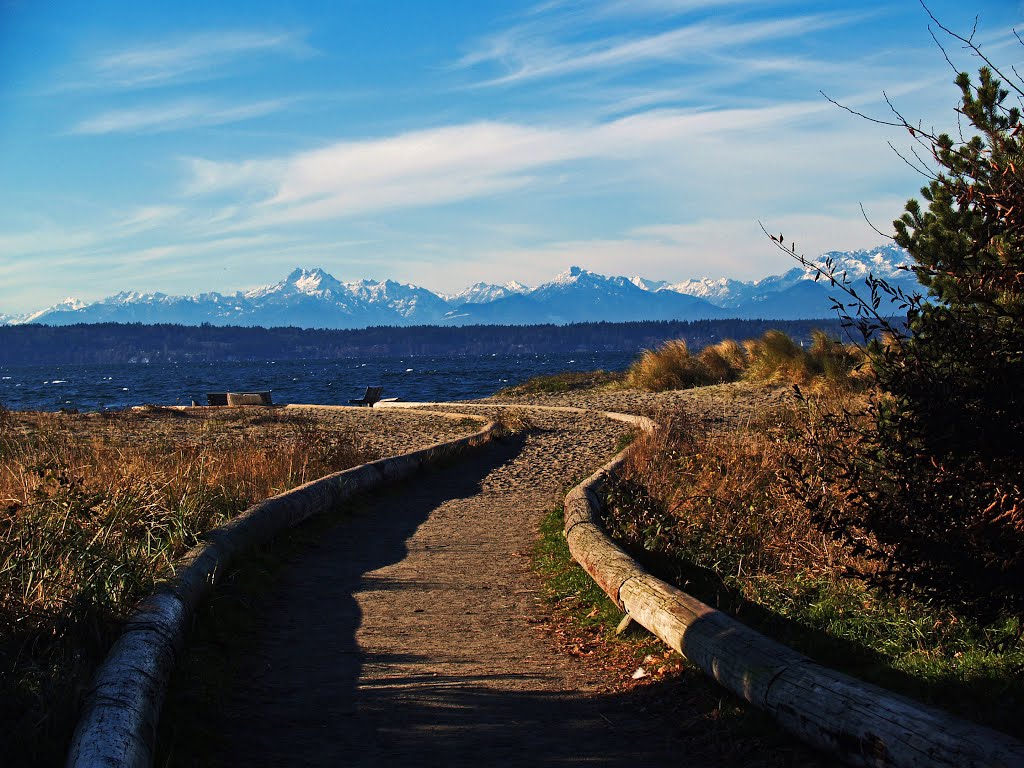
(372,396)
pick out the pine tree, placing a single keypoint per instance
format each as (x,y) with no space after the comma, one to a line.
(934,491)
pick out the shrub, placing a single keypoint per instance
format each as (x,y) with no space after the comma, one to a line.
(837,362)
(934,492)
(717,500)
(776,358)
(711,509)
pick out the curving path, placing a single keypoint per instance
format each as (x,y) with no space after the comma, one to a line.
(411,633)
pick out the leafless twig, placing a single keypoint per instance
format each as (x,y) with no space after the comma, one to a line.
(969,43)
(870,224)
(861,114)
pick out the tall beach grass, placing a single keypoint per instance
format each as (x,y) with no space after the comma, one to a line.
(774,358)
(94,509)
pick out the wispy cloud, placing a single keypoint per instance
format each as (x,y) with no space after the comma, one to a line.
(189,252)
(474,160)
(526,53)
(160,63)
(146,218)
(574,13)
(175,116)
(638,7)
(419,168)
(252,176)
(50,237)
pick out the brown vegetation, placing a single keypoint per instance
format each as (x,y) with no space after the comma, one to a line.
(721,498)
(721,513)
(774,358)
(93,511)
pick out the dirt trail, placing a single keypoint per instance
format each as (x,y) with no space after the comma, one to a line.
(410,632)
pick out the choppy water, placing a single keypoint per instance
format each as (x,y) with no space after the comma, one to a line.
(97,387)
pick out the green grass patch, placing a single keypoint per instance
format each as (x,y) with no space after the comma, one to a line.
(566,584)
(563,382)
(919,650)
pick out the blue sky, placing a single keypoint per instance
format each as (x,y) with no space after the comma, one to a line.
(201,146)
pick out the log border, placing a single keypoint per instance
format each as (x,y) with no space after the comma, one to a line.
(118,722)
(861,723)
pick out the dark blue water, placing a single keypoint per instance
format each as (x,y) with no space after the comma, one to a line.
(97,387)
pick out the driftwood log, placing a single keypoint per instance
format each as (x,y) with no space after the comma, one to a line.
(117,726)
(249,398)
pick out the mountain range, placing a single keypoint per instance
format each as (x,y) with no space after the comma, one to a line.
(312,298)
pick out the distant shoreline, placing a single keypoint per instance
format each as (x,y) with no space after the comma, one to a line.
(123,343)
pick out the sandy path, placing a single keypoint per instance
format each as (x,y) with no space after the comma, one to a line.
(410,632)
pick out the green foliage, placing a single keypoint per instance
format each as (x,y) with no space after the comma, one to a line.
(566,583)
(967,246)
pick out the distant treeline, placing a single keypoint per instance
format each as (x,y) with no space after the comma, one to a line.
(122,343)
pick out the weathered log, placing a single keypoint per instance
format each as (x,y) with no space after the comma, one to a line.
(249,398)
(861,723)
(608,565)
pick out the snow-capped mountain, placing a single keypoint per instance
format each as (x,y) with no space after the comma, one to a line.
(70,304)
(883,262)
(482,293)
(579,295)
(649,285)
(791,295)
(313,298)
(304,282)
(410,302)
(722,292)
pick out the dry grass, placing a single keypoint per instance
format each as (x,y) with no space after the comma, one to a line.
(670,366)
(774,358)
(720,497)
(714,510)
(93,509)
(724,361)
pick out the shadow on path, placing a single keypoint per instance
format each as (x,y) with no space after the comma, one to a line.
(444,669)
